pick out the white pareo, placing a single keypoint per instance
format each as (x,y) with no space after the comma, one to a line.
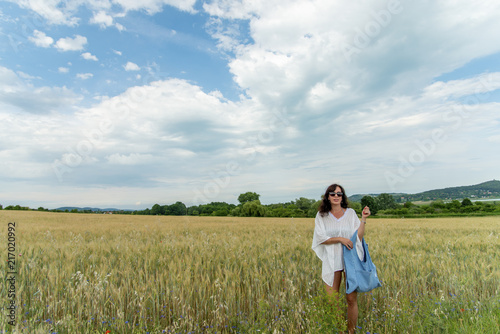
(326,227)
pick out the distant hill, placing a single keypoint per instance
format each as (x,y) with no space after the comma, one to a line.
(69,208)
(489,189)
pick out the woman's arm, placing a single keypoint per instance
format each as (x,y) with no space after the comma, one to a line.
(361,229)
(344,241)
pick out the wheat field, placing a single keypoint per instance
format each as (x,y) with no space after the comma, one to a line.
(89,273)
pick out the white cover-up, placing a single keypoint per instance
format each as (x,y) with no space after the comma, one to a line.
(326,227)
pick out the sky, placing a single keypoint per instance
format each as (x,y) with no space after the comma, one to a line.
(122,103)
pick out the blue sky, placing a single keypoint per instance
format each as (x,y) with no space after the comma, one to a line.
(127,104)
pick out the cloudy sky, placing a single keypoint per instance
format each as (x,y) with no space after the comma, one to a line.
(130,103)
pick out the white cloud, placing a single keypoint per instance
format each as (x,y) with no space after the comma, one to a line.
(494,139)
(239,10)
(89,56)
(63,70)
(296,57)
(119,53)
(105,20)
(84,76)
(227,35)
(26,76)
(102,19)
(176,101)
(131,67)
(71,44)
(456,88)
(155,6)
(171,123)
(120,27)
(174,127)
(40,39)
(130,159)
(54,11)
(17,95)
(63,12)
(180,152)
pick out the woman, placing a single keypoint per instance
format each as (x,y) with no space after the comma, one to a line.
(334,226)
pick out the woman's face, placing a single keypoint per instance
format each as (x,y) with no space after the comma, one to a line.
(335,199)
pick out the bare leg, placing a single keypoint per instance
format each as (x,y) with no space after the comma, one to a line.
(352,311)
(337,278)
(334,289)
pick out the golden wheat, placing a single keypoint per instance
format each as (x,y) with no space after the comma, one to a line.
(87,273)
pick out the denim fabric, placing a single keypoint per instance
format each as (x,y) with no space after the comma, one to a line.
(361,274)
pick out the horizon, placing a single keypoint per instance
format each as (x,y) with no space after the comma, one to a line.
(104,207)
(131,104)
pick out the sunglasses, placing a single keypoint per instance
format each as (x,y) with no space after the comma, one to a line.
(333,193)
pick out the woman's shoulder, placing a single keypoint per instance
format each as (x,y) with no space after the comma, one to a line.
(350,211)
(321,215)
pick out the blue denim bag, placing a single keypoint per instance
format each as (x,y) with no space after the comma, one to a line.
(361,275)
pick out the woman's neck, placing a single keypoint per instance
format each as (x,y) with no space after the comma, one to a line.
(336,208)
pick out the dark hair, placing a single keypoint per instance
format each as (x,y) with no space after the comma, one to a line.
(326,206)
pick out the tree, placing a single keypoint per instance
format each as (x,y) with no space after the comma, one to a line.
(408,204)
(156,210)
(454,205)
(313,210)
(193,211)
(248,197)
(466,202)
(236,212)
(304,204)
(371,203)
(356,206)
(177,209)
(253,209)
(220,212)
(470,208)
(385,201)
(488,207)
(439,204)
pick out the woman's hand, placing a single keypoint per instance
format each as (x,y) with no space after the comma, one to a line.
(346,242)
(365,213)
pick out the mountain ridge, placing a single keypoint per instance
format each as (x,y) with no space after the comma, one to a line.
(69,208)
(484,190)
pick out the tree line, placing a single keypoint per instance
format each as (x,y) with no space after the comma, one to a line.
(250,206)
(439,208)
